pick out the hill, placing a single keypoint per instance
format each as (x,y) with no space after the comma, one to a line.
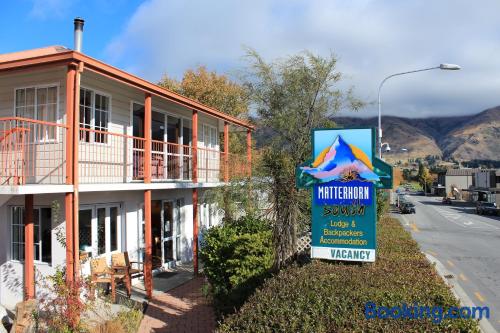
(462,138)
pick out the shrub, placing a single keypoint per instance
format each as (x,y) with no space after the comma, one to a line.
(382,203)
(236,256)
(331,296)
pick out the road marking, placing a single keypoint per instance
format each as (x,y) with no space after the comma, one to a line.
(432,253)
(414,227)
(479,297)
(462,277)
(451,263)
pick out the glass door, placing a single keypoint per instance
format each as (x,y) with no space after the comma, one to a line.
(168,232)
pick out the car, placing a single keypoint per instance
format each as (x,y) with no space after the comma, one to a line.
(446,201)
(484,208)
(407,208)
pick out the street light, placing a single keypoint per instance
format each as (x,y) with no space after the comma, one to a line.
(448,67)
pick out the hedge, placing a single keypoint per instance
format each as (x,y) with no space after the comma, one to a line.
(237,256)
(330,297)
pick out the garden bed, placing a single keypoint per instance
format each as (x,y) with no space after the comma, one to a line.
(330,296)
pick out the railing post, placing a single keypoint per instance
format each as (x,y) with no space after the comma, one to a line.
(226,151)
(68,198)
(249,153)
(148,239)
(29,245)
(195,191)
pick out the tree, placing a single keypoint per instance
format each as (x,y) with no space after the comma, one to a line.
(212,89)
(291,97)
(217,91)
(424,177)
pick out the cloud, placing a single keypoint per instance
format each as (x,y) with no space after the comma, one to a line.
(371,38)
(43,9)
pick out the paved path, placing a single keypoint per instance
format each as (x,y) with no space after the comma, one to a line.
(468,245)
(182,309)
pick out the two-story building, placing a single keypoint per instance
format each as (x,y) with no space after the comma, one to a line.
(94,160)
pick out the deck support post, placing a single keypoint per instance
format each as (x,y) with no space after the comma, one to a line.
(226,152)
(148,262)
(68,197)
(195,191)
(29,248)
(249,153)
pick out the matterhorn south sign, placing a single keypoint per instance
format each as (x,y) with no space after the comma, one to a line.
(344,174)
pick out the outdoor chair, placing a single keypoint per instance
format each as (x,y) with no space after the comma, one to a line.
(101,273)
(121,264)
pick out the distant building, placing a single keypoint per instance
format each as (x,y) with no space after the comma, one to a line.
(439,187)
(486,186)
(457,182)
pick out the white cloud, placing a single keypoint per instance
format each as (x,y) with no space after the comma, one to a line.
(43,9)
(372,39)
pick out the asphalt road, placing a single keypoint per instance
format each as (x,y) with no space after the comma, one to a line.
(467,244)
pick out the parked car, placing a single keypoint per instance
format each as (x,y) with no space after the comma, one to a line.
(446,201)
(407,208)
(489,208)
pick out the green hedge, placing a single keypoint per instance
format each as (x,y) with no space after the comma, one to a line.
(237,256)
(330,297)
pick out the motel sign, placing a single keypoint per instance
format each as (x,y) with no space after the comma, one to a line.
(344,175)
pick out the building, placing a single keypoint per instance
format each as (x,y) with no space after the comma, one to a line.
(458,181)
(94,161)
(486,186)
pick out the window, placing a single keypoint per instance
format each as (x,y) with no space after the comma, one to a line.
(210,137)
(94,116)
(42,220)
(39,103)
(100,229)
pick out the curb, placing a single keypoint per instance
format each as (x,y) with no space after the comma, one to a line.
(458,291)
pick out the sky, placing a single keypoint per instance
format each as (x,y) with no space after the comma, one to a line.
(371,38)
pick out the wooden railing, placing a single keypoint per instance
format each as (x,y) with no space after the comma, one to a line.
(33,152)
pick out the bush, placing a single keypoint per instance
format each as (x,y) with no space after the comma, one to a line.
(331,296)
(236,256)
(382,203)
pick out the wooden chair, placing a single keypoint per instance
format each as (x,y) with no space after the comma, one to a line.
(121,264)
(101,273)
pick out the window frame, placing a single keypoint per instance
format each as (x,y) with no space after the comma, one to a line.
(35,105)
(92,125)
(40,242)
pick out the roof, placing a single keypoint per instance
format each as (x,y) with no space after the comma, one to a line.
(461,172)
(44,51)
(58,55)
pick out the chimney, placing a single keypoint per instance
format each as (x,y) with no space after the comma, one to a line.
(78,33)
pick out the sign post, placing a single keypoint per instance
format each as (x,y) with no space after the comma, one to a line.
(344,175)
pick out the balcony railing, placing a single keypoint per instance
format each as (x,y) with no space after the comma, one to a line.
(33,152)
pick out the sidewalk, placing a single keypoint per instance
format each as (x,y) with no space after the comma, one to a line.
(182,309)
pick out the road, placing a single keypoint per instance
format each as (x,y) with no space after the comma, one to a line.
(467,244)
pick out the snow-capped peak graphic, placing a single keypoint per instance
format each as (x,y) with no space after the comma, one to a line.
(341,161)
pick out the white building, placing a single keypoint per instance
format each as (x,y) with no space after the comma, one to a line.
(102,157)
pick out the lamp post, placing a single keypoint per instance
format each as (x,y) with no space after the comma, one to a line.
(448,67)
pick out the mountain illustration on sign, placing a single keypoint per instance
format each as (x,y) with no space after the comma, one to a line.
(340,161)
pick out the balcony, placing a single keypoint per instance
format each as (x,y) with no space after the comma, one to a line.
(34,152)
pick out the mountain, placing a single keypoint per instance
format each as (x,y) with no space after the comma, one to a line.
(462,138)
(341,160)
